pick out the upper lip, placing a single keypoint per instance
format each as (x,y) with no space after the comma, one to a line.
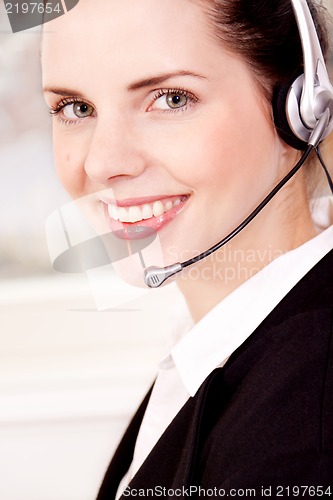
(130,202)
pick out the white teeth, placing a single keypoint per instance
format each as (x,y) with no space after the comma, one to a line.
(134,214)
(158,209)
(123,214)
(113,212)
(146,211)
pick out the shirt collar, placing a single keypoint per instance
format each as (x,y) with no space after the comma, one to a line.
(212,340)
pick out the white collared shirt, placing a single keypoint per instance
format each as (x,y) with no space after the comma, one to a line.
(209,343)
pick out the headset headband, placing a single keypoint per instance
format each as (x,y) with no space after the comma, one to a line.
(311,94)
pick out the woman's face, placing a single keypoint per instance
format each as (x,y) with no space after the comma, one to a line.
(154,115)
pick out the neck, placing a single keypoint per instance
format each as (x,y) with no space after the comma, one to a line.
(283,225)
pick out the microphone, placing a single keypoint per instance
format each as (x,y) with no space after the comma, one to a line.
(155,276)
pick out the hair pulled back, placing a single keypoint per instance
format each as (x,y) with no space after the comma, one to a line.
(265,34)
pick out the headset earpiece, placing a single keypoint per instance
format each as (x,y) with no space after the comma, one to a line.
(299,104)
(280,96)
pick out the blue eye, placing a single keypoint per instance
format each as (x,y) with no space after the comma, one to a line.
(77,110)
(175,100)
(172,100)
(73,109)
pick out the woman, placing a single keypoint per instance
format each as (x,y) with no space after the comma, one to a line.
(167,106)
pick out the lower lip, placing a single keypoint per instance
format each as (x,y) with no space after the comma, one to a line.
(143,228)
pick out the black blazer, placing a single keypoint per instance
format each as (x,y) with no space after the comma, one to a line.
(263,420)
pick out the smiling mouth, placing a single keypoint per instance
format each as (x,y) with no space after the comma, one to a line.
(146,211)
(133,219)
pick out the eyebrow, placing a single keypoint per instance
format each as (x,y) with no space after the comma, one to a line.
(63,92)
(146,82)
(156,80)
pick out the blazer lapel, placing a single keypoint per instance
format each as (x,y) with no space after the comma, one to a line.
(123,456)
(173,461)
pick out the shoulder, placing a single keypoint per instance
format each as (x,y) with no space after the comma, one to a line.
(270,409)
(301,323)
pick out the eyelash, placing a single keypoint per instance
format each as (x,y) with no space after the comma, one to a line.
(192,99)
(57,109)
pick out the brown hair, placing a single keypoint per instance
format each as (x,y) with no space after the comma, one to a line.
(265,34)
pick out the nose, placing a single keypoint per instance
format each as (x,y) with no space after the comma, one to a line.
(114,151)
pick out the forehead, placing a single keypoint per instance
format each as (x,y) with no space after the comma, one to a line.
(123,37)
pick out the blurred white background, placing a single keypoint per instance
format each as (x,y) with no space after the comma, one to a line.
(70,376)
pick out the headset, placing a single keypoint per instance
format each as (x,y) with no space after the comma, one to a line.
(303,116)
(298,107)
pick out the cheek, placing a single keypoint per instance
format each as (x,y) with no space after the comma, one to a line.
(220,150)
(237,156)
(70,156)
